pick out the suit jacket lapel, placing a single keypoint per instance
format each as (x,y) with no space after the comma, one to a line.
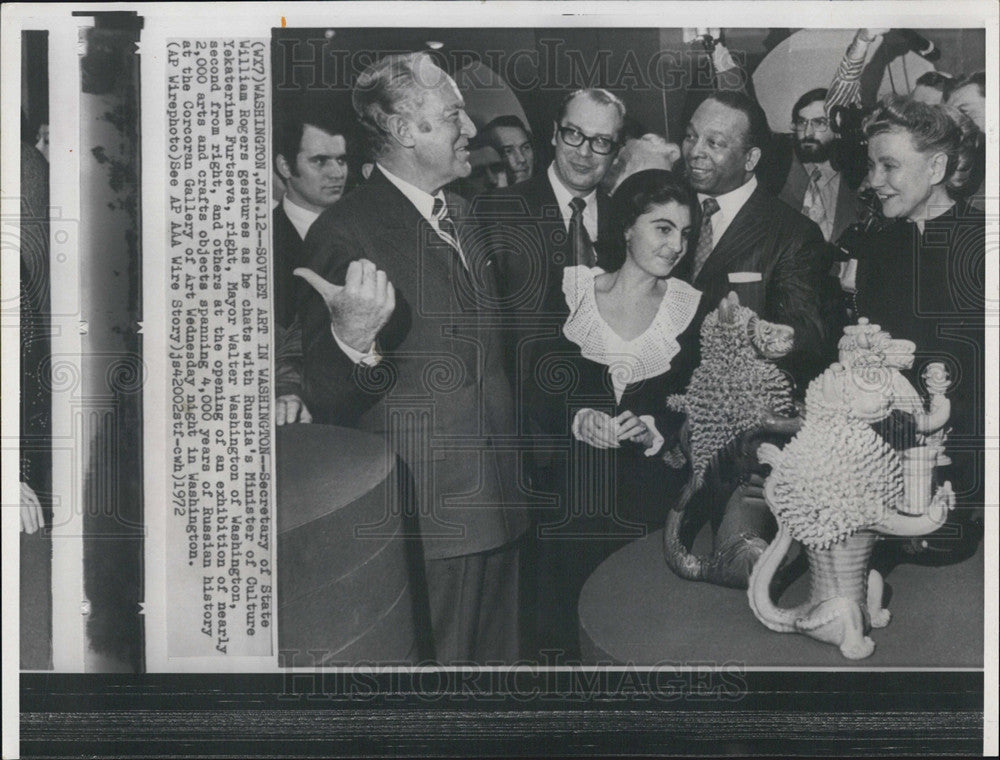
(403,229)
(476,248)
(743,232)
(794,191)
(603,218)
(546,208)
(846,212)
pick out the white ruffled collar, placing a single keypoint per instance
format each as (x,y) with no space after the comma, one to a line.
(628,361)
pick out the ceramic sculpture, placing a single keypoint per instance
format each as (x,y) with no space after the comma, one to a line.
(838,486)
(735,390)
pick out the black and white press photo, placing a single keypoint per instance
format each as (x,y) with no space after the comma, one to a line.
(549,378)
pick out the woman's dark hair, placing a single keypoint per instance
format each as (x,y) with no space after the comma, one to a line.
(636,195)
(932,129)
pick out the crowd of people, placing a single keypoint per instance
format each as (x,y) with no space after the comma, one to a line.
(571,295)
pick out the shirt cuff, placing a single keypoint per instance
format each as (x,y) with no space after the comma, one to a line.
(722,59)
(577,418)
(369,358)
(657,438)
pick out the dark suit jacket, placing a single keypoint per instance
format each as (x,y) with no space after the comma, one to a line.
(287,256)
(439,395)
(531,248)
(770,239)
(794,192)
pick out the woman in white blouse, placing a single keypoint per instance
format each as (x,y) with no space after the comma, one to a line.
(633,329)
(630,340)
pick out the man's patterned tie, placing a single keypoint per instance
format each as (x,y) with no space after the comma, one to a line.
(812,205)
(705,242)
(446,228)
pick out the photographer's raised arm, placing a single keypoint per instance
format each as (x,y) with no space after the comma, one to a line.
(845,89)
(729,75)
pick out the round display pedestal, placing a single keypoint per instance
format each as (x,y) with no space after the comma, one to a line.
(344,593)
(634,610)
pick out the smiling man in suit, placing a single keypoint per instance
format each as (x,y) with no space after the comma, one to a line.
(749,241)
(398,340)
(774,258)
(553,220)
(556,219)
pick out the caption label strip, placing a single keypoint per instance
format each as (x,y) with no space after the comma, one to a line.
(220,533)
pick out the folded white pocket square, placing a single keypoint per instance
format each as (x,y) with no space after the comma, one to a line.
(736,277)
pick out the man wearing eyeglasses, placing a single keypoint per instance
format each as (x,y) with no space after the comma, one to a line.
(552,221)
(815,184)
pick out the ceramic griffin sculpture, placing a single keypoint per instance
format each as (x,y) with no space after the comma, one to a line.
(838,485)
(735,388)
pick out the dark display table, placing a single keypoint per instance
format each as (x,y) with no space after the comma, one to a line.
(344,593)
(634,610)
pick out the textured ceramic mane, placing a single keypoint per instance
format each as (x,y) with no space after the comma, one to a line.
(837,475)
(735,386)
(734,389)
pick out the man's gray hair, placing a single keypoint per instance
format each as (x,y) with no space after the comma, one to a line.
(390,86)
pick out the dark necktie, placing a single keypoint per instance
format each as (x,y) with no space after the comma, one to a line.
(583,251)
(705,242)
(446,227)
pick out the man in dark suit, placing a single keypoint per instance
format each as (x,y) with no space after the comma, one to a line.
(404,345)
(558,218)
(311,158)
(816,184)
(750,241)
(773,257)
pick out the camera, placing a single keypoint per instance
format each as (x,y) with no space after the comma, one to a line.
(871,221)
(846,122)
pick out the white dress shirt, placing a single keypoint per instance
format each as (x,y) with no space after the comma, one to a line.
(563,198)
(301,218)
(729,206)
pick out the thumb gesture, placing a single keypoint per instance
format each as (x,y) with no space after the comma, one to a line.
(360,307)
(327,290)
